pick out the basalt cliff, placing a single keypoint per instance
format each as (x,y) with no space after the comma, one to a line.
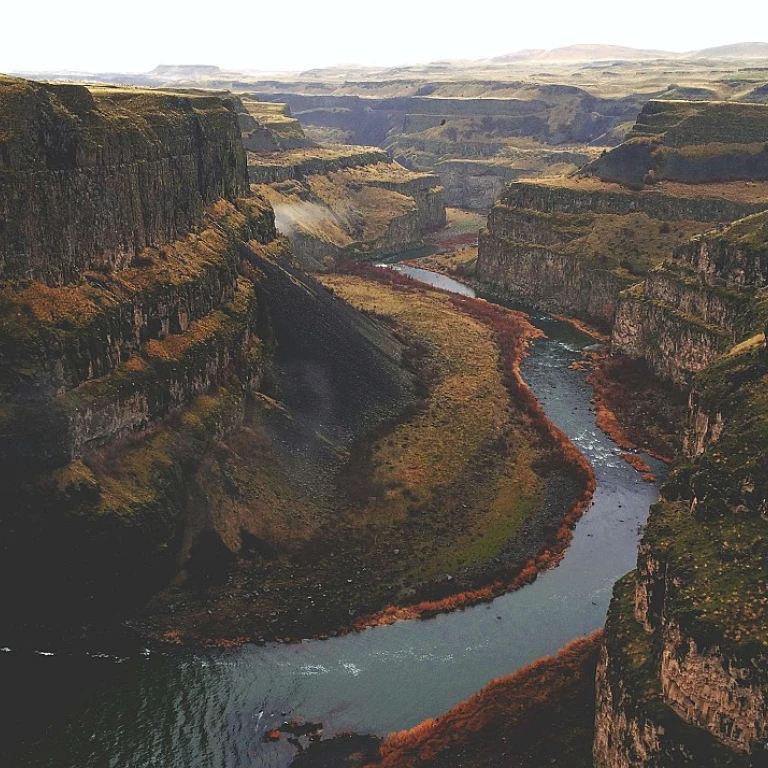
(682,677)
(590,244)
(662,243)
(144,292)
(346,202)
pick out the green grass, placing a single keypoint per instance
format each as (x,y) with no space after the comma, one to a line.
(718,551)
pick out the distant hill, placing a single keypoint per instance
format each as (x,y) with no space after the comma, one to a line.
(585,52)
(184,70)
(597,52)
(734,51)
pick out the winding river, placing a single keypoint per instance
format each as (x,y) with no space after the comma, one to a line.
(212,710)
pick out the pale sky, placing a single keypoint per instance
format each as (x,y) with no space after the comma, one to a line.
(136,35)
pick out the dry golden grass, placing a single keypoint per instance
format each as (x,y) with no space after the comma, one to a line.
(179,262)
(466,408)
(366,211)
(736,191)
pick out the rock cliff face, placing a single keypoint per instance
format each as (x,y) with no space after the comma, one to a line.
(683,677)
(617,222)
(553,114)
(575,245)
(692,142)
(110,172)
(477,135)
(270,127)
(706,298)
(475,184)
(347,202)
(634,724)
(547,277)
(139,279)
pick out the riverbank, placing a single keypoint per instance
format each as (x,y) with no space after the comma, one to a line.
(509,545)
(469,493)
(634,408)
(541,715)
(233,698)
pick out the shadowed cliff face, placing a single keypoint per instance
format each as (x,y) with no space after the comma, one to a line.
(109,172)
(154,294)
(691,142)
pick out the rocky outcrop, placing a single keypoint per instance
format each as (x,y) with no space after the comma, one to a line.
(683,678)
(706,298)
(548,278)
(575,245)
(109,172)
(674,342)
(625,214)
(269,168)
(666,202)
(347,202)
(695,142)
(474,184)
(734,258)
(634,725)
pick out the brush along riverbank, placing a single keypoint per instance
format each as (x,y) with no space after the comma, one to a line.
(466,494)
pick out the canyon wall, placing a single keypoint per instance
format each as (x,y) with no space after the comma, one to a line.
(109,172)
(140,279)
(626,249)
(670,257)
(683,675)
(574,245)
(431,114)
(129,330)
(691,142)
(347,202)
(477,135)
(710,295)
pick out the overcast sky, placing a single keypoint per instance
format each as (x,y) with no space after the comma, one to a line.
(136,35)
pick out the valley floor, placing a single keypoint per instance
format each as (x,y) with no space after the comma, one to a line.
(464,495)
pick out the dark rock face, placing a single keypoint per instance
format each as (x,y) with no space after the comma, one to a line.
(691,142)
(138,282)
(89,179)
(706,298)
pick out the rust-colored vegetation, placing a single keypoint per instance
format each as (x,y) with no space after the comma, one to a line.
(637,462)
(547,706)
(634,408)
(512,334)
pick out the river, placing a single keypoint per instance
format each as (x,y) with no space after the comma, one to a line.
(211,710)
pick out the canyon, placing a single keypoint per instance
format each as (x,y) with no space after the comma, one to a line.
(205,445)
